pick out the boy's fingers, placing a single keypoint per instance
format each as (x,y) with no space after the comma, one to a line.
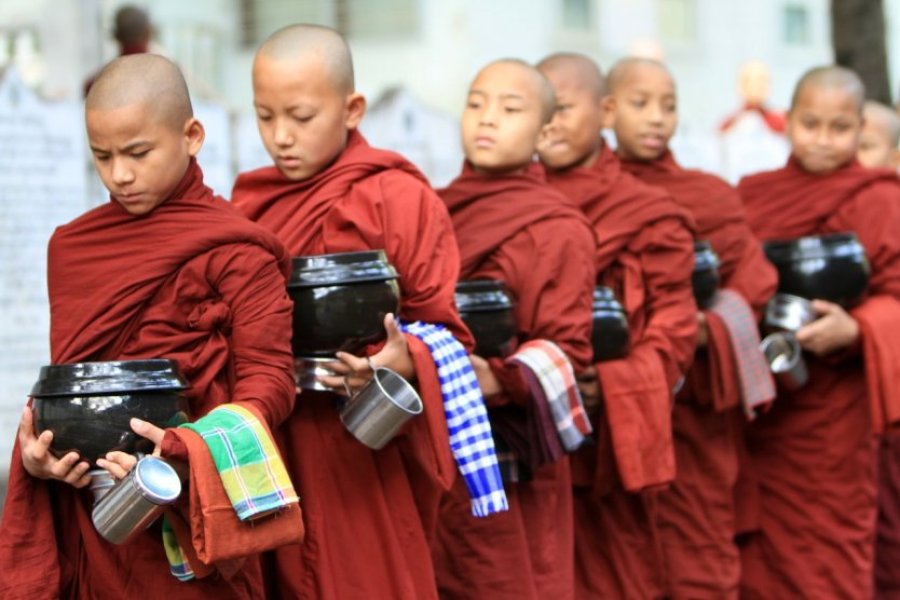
(26,427)
(355,364)
(114,468)
(77,473)
(61,468)
(148,430)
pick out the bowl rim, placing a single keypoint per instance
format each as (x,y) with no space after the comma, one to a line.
(96,378)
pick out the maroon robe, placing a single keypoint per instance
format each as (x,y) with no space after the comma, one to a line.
(368,514)
(697,513)
(814,453)
(517,229)
(192,281)
(645,253)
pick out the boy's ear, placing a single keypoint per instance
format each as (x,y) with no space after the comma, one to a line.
(608,111)
(194,135)
(355,108)
(895,158)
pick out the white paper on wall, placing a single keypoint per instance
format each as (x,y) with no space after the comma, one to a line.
(43,184)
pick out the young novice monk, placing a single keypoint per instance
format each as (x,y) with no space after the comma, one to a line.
(164,270)
(813,453)
(880,137)
(368,514)
(697,518)
(878,150)
(645,253)
(513,227)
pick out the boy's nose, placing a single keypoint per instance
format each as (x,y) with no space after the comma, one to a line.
(283,135)
(121,173)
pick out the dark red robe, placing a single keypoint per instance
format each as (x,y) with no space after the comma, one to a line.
(697,514)
(368,514)
(519,230)
(814,453)
(192,281)
(645,253)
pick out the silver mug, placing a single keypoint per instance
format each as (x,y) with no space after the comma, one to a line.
(786,312)
(375,413)
(785,358)
(137,500)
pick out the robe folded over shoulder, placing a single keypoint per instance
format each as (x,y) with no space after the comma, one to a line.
(698,513)
(192,281)
(517,229)
(813,453)
(720,219)
(368,514)
(645,254)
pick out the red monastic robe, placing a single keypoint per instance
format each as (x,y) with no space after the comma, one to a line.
(192,281)
(368,515)
(697,514)
(814,452)
(519,230)
(887,539)
(645,253)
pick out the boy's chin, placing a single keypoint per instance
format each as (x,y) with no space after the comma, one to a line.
(820,167)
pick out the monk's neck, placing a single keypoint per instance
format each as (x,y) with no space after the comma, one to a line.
(503,172)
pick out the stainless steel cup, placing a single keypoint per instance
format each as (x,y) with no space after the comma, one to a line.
(785,358)
(137,500)
(376,413)
(786,312)
(101,482)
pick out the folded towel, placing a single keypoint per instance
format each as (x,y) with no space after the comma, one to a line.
(237,477)
(471,440)
(556,387)
(756,382)
(249,465)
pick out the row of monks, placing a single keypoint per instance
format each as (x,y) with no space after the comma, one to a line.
(684,494)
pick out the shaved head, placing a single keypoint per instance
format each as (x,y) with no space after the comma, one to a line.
(580,66)
(147,79)
(885,119)
(132,26)
(831,77)
(622,71)
(542,87)
(306,42)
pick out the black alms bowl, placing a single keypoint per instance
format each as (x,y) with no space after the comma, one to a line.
(340,301)
(610,334)
(829,267)
(705,278)
(88,406)
(486,307)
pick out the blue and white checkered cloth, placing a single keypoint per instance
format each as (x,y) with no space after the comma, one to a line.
(471,440)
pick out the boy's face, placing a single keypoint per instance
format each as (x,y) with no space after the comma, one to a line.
(140,156)
(503,119)
(875,148)
(573,137)
(823,127)
(643,110)
(303,117)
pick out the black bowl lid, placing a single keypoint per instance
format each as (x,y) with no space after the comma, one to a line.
(831,245)
(705,258)
(109,377)
(603,292)
(482,295)
(343,267)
